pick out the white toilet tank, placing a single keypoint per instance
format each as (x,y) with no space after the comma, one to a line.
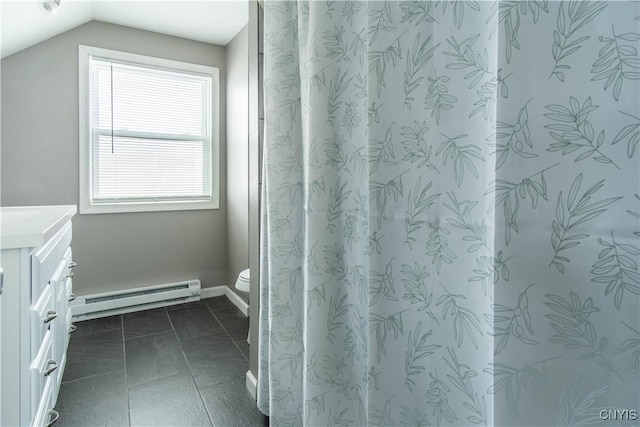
(242,284)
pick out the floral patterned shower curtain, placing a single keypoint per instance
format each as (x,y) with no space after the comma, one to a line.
(451,213)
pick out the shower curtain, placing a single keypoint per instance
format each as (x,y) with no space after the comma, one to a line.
(450,229)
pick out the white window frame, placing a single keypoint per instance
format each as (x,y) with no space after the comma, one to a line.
(87,205)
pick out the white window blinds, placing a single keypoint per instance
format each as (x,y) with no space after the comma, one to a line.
(150,134)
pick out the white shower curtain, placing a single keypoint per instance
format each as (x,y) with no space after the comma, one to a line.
(450,213)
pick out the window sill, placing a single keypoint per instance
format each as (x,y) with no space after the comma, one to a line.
(146,207)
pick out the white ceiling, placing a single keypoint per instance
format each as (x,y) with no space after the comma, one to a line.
(24,23)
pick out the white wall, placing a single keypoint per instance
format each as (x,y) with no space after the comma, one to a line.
(39,165)
(238,154)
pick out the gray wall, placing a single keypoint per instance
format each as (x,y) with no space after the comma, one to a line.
(238,154)
(39,165)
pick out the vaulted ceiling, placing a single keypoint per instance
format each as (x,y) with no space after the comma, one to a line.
(25,22)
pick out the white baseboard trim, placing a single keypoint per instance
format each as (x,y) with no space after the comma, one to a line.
(238,301)
(252,385)
(214,291)
(218,291)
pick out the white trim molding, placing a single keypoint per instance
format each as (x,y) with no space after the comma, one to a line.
(212,292)
(252,384)
(218,291)
(237,301)
(87,204)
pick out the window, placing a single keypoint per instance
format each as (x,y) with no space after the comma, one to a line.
(148,133)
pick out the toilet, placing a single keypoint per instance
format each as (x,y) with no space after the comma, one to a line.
(242,285)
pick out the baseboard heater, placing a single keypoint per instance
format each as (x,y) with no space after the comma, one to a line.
(120,302)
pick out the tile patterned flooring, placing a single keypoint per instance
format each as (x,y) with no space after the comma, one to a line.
(177,366)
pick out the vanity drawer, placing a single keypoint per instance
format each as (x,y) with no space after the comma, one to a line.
(43,379)
(64,268)
(60,327)
(69,291)
(63,271)
(45,415)
(62,296)
(58,379)
(69,328)
(46,260)
(43,316)
(65,290)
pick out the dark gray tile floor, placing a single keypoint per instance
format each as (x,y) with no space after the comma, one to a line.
(178,366)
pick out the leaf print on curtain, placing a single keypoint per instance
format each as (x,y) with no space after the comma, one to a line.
(450,213)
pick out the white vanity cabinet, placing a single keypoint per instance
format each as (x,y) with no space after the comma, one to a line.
(35,317)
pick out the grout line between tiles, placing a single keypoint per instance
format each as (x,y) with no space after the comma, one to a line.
(223,328)
(228,334)
(184,306)
(87,377)
(240,350)
(158,379)
(97,332)
(221,383)
(193,378)
(166,312)
(148,335)
(126,378)
(81,338)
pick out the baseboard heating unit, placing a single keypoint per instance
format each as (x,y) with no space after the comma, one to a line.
(119,302)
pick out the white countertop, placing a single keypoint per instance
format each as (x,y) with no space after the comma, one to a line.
(31,226)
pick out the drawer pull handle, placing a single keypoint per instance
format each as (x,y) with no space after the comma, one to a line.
(53,417)
(71,267)
(72,329)
(51,314)
(53,366)
(72,297)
